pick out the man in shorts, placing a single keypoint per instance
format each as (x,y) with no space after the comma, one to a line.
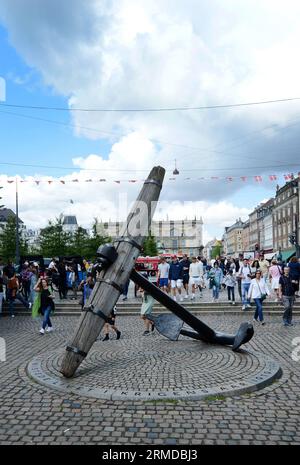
(185,262)
(163,275)
(176,277)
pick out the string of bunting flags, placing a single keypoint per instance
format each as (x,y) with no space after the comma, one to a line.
(270,177)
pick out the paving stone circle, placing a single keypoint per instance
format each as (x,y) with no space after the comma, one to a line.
(148,368)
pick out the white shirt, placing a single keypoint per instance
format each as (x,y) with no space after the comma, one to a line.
(257,288)
(52,265)
(244,271)
(195,269)
(163,269)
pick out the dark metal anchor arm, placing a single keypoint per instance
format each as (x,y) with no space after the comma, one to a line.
(203,332)
(207,334)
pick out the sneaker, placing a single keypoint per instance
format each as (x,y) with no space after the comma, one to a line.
(124,298)
(42,331)
(233,303)
(255,319)
(12,316)
(285,324)
(248,306)
(106,338)
(262,323)
(145,333)
(30,305)
(118,334)
(244,307)
(174,298)
(186,296)
(193,296)
(200,295)
(49,329)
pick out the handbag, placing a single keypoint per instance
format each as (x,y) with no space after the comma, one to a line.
(263,296)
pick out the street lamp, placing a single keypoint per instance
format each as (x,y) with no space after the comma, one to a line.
(17,227)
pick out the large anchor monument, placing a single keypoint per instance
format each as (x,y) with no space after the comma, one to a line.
(117,262)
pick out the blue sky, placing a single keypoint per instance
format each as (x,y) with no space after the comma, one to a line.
(29,141)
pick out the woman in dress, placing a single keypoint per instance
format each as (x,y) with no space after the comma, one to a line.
(274,274)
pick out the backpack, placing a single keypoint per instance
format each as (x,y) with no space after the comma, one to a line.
(12,283)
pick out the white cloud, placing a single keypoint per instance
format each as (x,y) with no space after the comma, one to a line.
(139,54)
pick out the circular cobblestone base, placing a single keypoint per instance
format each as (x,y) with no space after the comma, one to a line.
(151,368)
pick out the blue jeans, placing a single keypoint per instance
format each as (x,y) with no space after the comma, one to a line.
(259,310)
(245,289)
(13,299)
(216,290)
(46,320)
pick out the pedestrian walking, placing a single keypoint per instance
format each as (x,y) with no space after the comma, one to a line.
(258,291)
(287,294)
(46,304)
(185,262)
(62,280)
(246,275)
(294,267)
(146,311)
(230,282)
(196,275)
(176,277)
(215,277)
(275,272)
(13,294)
(111,324)
(163,275)
(86,286)
(264,266)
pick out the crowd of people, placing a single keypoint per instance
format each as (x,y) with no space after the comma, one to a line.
(254,279)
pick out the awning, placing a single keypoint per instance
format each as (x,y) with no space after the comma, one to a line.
(287,254)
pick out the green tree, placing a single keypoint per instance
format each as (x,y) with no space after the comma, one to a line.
(216,251)
(95,240)
(79,243)
(54,241)
(150,247)
(8,240)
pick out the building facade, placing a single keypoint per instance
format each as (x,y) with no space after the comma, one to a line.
(172,236)
(70,223)
(234,238)
(286,217)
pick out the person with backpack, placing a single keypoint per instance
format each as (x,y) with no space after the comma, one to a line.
(46,297)
(13,294)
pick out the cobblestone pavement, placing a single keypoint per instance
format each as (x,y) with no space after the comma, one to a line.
(32,414)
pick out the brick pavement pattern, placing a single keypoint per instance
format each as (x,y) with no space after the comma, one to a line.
(33,414)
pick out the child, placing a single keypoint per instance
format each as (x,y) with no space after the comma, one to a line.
(111,323)
(230,281)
